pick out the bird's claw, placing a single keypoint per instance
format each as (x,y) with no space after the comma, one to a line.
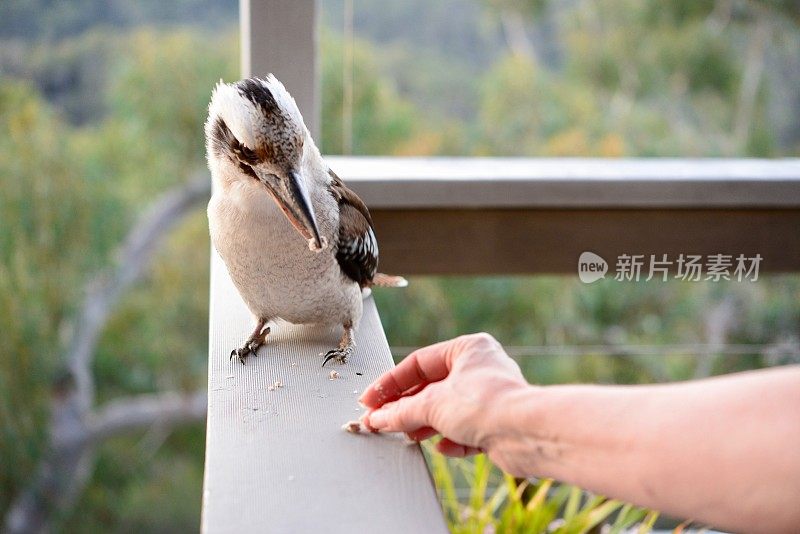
(251,347)
(339,354)
(242,353)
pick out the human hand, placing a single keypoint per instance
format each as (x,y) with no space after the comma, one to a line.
(455,388)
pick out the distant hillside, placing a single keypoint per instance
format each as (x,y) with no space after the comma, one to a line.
(37,20)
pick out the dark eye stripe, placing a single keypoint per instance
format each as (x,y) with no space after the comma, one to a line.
(224,143)
(244,153)
(248,170)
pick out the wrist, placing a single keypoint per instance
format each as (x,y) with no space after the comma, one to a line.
(511,419)
(566,432)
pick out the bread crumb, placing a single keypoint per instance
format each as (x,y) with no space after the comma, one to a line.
(278,384)
(354,427)
(334,375)
(271,388)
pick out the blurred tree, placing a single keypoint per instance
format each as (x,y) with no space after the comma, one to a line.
(639,79)
(382,121)
(69,196)
(52,20)
(43,206)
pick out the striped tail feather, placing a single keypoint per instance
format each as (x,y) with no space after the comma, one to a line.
(388,280)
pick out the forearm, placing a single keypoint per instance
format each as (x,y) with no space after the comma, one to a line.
(723,451)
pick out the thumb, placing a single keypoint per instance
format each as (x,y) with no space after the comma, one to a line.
(403,415)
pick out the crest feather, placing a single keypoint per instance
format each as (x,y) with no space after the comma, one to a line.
(239,114)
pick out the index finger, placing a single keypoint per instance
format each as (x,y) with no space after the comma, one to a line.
(421,367)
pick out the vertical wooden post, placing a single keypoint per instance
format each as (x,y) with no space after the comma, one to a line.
(280,36)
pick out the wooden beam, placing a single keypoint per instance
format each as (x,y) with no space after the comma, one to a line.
(281,37)
(277,460)
(516,241)
(528,215)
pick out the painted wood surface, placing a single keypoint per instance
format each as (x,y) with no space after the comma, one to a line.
(277,460)
(582,183)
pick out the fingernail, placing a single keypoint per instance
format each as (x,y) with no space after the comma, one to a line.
(378,419)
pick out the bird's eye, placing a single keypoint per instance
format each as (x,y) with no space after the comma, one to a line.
(244,154)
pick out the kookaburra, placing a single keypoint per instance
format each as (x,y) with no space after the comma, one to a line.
(298,244)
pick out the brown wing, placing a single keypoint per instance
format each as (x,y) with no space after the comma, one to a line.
(357,247)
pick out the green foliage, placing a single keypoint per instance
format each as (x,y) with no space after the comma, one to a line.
(56,19)
(632,80)
(149,484)
(542,115)
(70,195)
(45,204)
(381,122)
(157,339)
(497,502)
(159,91)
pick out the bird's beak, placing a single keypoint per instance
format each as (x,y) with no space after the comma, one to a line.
(292,197)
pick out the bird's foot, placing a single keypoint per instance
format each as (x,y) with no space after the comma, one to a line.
(243,352)
(339,354)
(251,346)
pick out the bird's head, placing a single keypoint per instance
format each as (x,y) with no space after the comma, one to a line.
(255,126)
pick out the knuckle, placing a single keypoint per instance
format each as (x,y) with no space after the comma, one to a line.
(396,417)
(481,340)
(425,404)
(426,399)
(403,413)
